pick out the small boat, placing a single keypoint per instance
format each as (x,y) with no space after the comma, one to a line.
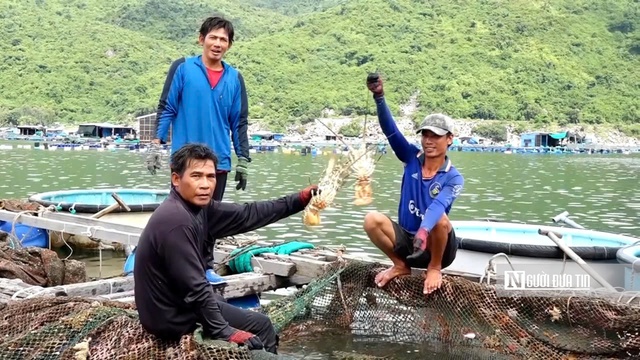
(630,257)
(142,203)
(526,249)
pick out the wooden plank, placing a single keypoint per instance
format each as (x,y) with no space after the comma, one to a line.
(122,287)
(267,266)
(93,288)
(128,299)
(118,295)
(295,280)
(416,271)
(246,284)
(306,266)
(87,221)
(11,287)
(98,229)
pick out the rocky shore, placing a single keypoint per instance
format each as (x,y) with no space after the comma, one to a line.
(604,135)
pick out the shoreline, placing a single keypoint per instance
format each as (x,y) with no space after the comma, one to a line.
(599,134)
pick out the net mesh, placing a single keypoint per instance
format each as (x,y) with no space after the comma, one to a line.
(37,266)
(463,314)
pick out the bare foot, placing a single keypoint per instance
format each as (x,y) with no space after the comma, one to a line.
(432,281)
(383,277)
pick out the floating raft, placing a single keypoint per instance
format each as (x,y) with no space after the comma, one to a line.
(274,271)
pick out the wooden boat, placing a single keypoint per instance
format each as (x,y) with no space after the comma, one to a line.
(88,203)
(525,248)
(630,257)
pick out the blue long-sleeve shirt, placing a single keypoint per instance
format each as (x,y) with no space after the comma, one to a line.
(422,201)
(202,114)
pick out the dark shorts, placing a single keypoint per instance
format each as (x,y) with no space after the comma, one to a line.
(404,248)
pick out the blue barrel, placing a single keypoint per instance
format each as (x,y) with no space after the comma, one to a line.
(27,235)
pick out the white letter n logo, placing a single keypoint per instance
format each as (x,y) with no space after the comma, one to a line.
(514,280)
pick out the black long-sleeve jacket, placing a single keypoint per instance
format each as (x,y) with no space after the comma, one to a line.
(171,290)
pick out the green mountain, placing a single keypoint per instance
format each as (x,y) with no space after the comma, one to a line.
(544,61)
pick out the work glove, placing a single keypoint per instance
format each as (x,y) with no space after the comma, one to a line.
(153,160)
(307,193)
(241,173)
(374,84)
(246,338)
(419,244)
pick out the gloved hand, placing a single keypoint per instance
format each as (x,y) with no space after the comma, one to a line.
(419,243)
(246,338)
(153,163)
(374,84)
(307,193)
(241,173)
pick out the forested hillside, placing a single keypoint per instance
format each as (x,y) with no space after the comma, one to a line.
(575,61)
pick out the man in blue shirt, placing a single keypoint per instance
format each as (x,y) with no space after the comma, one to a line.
(423,237)
(205,101)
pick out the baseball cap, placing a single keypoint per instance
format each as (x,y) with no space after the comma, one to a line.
(438,123)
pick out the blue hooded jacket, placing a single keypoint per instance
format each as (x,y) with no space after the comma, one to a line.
(201,114)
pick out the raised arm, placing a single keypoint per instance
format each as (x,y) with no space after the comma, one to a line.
(228,219)
(445,198)
(239,122)
(186,271)
(168,104)
(399,144)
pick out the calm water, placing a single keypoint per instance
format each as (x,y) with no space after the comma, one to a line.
(600,191)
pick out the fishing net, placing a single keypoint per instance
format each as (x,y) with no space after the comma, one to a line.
(81,328)
(37,266)
(464,315)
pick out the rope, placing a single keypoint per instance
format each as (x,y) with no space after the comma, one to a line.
(240,258)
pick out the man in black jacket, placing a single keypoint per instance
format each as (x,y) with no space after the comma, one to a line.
(171,291)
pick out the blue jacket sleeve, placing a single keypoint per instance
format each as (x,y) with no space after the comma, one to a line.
(445,198)
(239,122)
(168,104)
(399,144)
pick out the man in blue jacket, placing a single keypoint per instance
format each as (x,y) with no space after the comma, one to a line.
(423,237)
(205,101)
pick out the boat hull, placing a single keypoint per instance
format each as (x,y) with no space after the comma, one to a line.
(630,257)
(525,240)
(94,200)
(142,203)
(526,250)
(473,262)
